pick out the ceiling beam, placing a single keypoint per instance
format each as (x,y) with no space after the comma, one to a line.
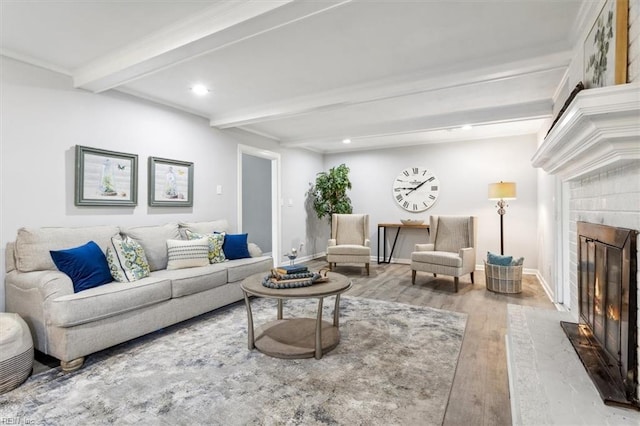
(219,26)
(477,117)
(393,88)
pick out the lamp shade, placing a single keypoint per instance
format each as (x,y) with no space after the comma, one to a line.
(502,191)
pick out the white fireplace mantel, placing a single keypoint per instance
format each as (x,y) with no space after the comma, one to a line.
(600,130)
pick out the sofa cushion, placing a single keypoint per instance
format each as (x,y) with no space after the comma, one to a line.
(127,261)
(33,245)
(153,240)
(86,265)
(187,253)
(216,254)
(194,280)
(205,227)
(235,246)
(240,269)
(107,301)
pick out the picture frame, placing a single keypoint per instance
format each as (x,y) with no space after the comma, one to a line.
(105,178)
(606,45)
(170,183)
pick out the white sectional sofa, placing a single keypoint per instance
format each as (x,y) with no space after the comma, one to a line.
(69,326)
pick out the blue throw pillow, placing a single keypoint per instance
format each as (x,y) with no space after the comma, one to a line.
(497,259)
(235,246)
(86,265)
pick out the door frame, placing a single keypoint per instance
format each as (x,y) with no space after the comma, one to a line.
(275,159)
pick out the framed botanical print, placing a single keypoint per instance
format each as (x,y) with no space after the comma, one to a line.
(170,182)
(605,49)
(105,178)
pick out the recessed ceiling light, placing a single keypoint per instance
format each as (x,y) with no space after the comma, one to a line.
(346,140)
(199,89)
(467,127)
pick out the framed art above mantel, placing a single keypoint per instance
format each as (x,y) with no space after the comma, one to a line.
(606,45)
(105,178)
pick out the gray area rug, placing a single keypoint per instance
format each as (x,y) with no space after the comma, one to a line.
(395,364)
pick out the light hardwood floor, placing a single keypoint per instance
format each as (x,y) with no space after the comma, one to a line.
(480,392)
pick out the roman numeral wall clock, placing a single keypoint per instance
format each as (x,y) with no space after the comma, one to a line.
(416,189)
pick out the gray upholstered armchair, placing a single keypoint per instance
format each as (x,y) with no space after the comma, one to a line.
(349,241)
(451,249)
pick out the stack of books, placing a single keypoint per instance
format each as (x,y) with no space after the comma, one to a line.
(291,269)
(290,276)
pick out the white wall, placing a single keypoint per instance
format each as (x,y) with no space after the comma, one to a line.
(300,223)
(43,118)
(465,169)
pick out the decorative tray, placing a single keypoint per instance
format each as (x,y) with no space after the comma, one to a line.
(304,279)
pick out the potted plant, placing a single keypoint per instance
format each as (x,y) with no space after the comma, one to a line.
(329,193)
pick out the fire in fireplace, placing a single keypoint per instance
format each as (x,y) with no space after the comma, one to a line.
(606,339)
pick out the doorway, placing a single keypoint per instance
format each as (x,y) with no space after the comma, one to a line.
(258,198)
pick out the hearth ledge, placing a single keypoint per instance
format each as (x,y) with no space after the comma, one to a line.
(599,131)
(548,384)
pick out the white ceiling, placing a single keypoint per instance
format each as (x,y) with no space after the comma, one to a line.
(311,73)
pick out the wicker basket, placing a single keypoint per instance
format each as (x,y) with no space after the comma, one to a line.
(503,279)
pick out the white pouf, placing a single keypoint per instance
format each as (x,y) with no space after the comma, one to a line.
(16,351)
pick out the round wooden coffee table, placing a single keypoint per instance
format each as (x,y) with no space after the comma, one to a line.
(295,337)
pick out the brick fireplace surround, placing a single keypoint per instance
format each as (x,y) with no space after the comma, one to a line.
(593,151)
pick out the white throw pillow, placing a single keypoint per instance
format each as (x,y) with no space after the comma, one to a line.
(187,254)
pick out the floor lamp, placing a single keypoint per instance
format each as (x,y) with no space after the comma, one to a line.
(502,191)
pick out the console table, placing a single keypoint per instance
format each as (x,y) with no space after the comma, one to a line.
(399,226)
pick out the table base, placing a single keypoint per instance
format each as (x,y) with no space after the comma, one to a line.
(295,338)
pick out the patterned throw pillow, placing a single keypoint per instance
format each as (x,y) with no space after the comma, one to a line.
(127,261)
(216,255)
(187,254)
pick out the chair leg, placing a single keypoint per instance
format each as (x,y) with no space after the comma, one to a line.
(367,266)
(413,276)
(472,278)
(455,283)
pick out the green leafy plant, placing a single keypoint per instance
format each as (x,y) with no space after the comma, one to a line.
(329,193)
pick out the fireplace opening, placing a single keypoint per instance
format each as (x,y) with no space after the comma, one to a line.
(606,338)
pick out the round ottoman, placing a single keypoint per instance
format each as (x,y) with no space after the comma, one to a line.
(16,351)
